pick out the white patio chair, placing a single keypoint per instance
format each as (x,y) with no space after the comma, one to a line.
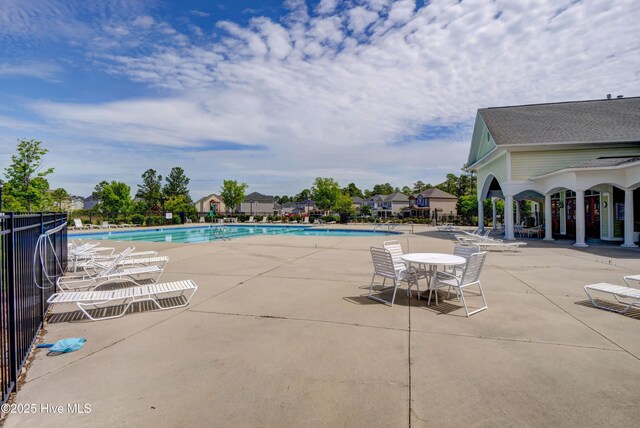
(470,277)
(384,266)
(627,296)
(128,296)
(395,248)
(462,250)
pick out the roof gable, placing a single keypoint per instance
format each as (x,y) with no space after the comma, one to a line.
(434,192)
(258,197)
(396,197)
(481,141)
(576,122)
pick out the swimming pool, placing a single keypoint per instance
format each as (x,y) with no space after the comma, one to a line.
(200,234)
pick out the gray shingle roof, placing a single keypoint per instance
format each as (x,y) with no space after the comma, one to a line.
(607,162)
(596,121)
(396,197)
(434,192)
(258,197)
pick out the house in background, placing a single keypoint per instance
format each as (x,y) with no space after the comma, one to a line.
(358,202)
(394,203)
(210,202)
(257,204)
(579,161)
(73,203)
(286,208)
(432,202)
(89,202)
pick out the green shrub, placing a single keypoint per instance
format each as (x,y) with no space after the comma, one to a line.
(137,219)
(153,220)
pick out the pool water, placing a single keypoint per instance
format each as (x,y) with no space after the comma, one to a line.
(214,233)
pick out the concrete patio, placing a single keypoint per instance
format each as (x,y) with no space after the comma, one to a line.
(279,334)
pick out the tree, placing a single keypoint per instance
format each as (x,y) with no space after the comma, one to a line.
(302,196)
(150,191)
(180,204)
(282,199)
(467,207)
(365,210)
(344,205)
(177,184)
(115,197)
(382,189)
(59,196)
(353,191)
(419,186)
(450,185)
(233,193)
(407,191)
(27,186)
(325,193)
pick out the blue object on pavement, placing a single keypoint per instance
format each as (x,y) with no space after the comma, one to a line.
(69,344)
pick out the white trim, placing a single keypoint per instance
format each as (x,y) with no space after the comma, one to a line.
(592,168)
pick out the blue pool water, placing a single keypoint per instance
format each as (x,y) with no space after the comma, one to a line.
(213,233)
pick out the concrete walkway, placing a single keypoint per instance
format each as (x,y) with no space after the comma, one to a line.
(279,334)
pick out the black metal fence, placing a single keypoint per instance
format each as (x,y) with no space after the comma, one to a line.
(22,303)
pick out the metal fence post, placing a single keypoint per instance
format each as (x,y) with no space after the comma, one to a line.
(11,294)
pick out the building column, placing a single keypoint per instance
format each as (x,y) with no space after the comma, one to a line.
(580,221)
(480,214)
(517,213)
(508,218)
(495,215)
(547,218)
(628,219)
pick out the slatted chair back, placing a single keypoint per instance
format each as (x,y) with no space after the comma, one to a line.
(113,264)
(465,250)
(472,270)
(383,262)
(395,249)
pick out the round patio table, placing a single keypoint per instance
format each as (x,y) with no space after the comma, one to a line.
(433,260)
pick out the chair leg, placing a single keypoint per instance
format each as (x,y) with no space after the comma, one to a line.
(371,285)
(466,309)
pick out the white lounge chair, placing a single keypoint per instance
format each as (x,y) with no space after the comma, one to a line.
(470,276)
(130,261)
(110,273)
(127,296)
(250,220)
(201,219)
(499,245)
(78,224)
(89,259)
(627,296)
(384,266)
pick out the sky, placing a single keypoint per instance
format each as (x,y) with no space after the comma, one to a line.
(277,93)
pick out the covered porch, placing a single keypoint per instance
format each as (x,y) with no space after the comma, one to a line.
(598,199)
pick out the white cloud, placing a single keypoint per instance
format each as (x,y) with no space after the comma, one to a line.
(45,71)
(326,6)
(349,93)
(200,13)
